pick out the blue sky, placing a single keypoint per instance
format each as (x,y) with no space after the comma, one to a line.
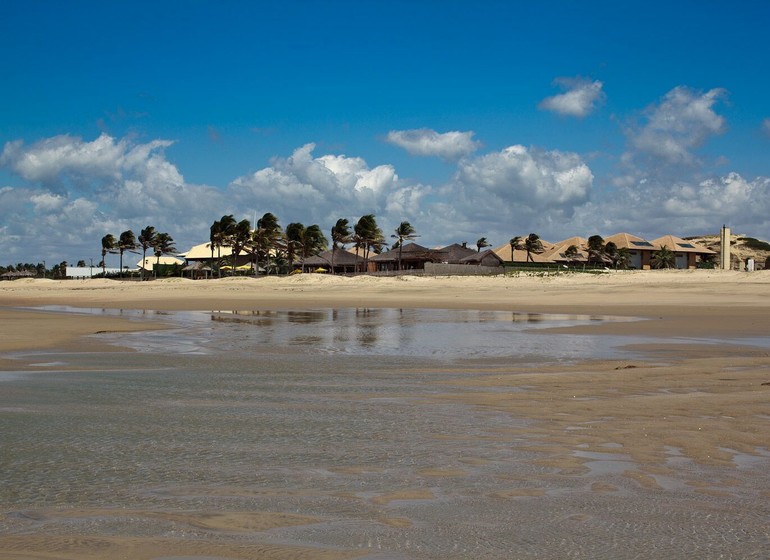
(468,119)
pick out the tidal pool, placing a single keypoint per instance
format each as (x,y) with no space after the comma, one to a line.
(329,416)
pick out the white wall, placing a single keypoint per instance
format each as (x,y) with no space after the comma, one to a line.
(88,272)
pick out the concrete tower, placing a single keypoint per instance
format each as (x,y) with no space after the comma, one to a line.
(724,248)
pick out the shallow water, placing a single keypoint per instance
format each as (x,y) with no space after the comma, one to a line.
(331,414)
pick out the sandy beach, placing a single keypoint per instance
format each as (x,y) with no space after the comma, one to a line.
(707,401)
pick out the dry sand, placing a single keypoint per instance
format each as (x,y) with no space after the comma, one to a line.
(709,402)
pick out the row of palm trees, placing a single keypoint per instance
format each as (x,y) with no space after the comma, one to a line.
(270,245)
(160,242)
(531,244)
(268,240)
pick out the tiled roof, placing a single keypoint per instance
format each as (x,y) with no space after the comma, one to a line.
(679,245)
(408,251)
(628,241)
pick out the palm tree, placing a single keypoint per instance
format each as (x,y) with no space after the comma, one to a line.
(340,236)
(109,244)
(572,252)
(295,233)
(266,238)
(146,240)
(261,244)
(404,231)
(126,242)
(313,241)
(221,231)
(369,236)
(481,243)
(239,236)
(213,238)
(163,244)
(516,245)
(623,258)
(663,258)
(304,241)
(532,244)
(596,249)
(611,252)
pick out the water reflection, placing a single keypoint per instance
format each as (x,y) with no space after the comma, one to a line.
(436,333)
(431,333)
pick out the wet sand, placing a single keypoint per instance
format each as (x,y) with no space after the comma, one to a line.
(703,405)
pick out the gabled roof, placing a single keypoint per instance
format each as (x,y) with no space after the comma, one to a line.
(679,245)
(342,257)
(628,241)
(453,253)
(478,257)
(409,251)
(580,242)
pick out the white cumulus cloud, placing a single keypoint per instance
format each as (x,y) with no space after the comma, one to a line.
(321,189)
(680,123)
(682,207)
(426,142)
(82,190)
(535,178)
(580,98)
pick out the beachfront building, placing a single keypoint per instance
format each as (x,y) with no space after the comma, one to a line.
(342,262)
(560,252)
(484,258)
(413,257)
(686,253)
(82,272)
(640,251)
(453,254)
(202,253)
(148,263)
